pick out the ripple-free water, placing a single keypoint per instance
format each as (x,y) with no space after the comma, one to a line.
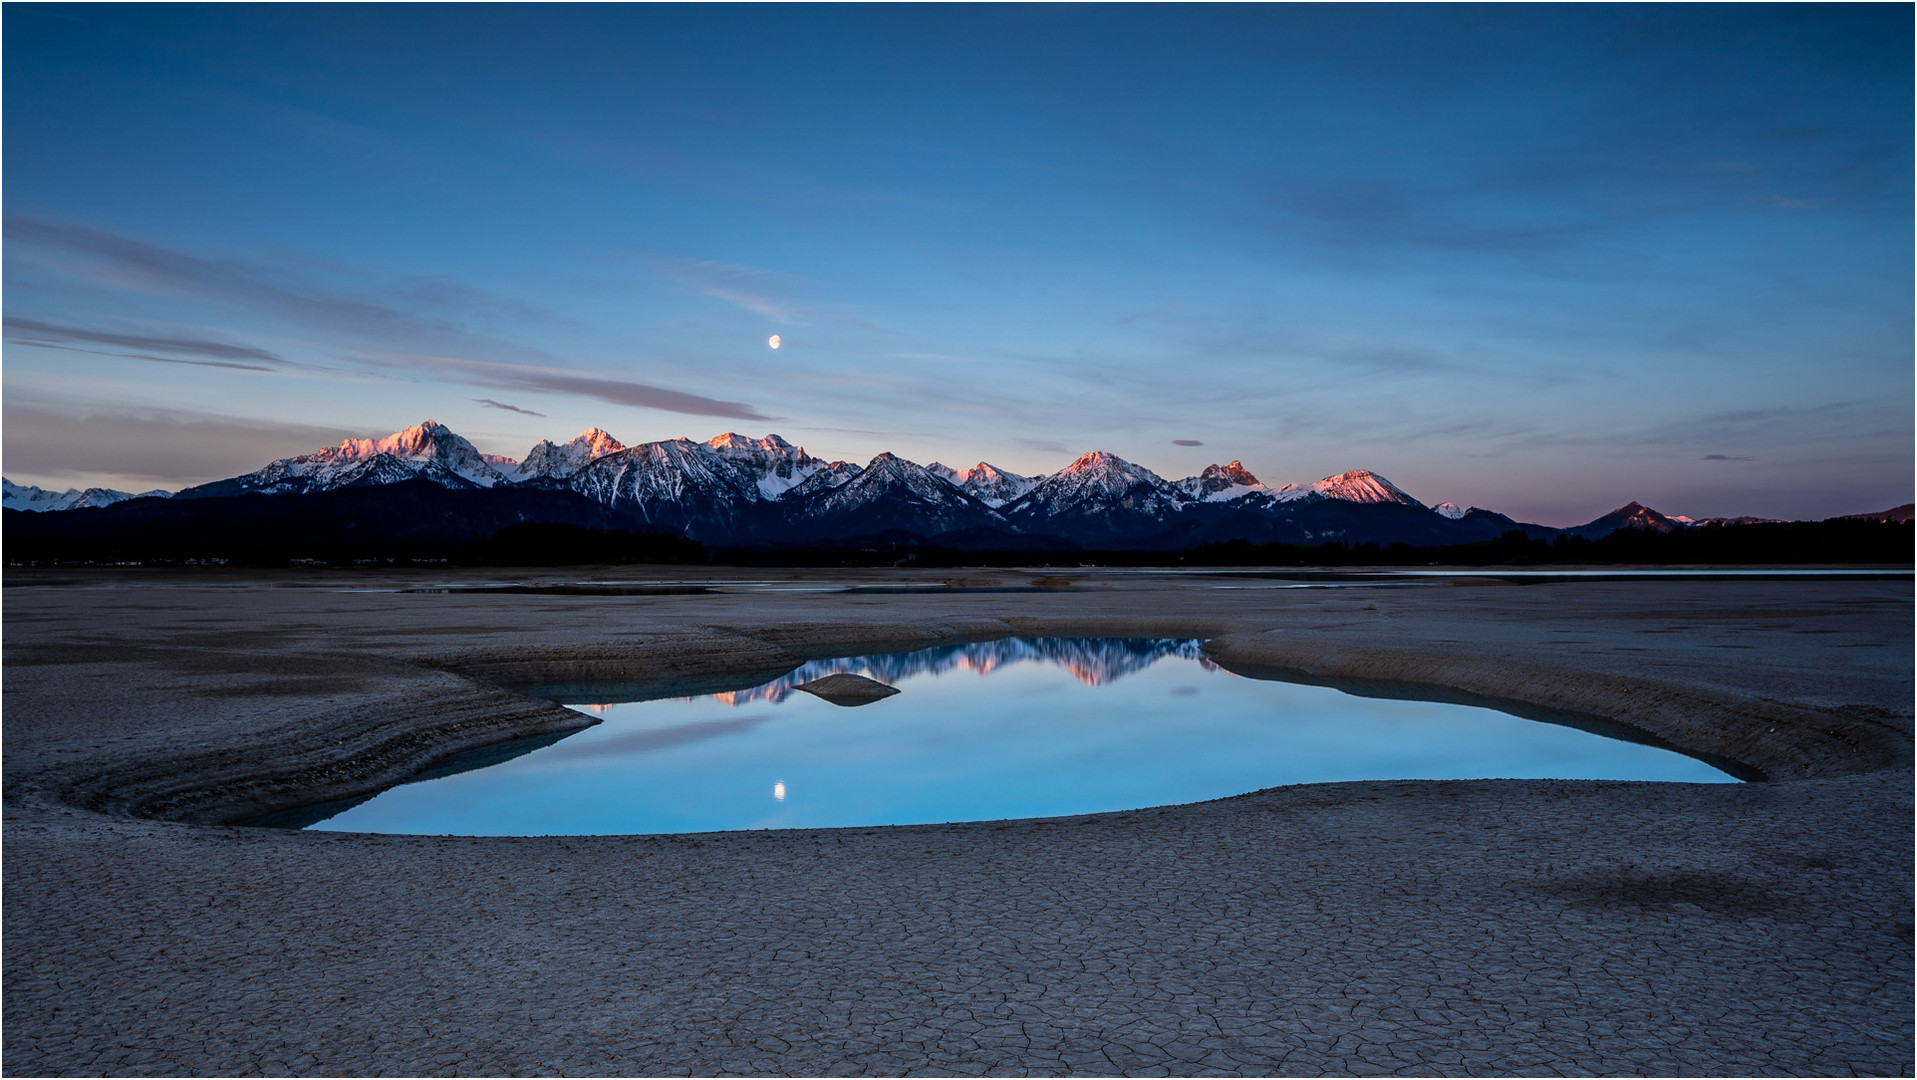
(1023,727)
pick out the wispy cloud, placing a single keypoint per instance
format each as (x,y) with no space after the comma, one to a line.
(583,384)
(230,364)
(35,332)
(1726,457)
(491,404)
(1187,442)
(376,330)
(61,442)
(150,268)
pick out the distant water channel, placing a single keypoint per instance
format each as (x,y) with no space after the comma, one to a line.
(1023,727)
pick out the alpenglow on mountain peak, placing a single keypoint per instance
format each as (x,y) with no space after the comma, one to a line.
(547,461)
(770,465)
(1363,486)
(748,490)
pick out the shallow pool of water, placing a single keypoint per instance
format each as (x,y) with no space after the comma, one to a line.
(1024,727)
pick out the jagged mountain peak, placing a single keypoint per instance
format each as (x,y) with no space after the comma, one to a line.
(1632,515)
(1637,515)
(428,450)
(778,465)
(985,482)
(549,461)
(985,470)
(662,448)
(1220,483)
(889,472)
(428,440)
(1101,493)
(1235,473)
(424,439)
(1451,510)
(889,493)
(31,497)
(1362,486)
(830,475)
(772,443)
(893,467)
(1105,470)
(672,483)
(599,439)
(1092,460)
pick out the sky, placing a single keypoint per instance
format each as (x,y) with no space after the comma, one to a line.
(1544,260)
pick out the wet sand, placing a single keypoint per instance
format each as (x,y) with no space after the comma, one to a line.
(1416,927)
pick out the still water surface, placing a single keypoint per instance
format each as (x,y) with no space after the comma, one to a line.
(1024,727)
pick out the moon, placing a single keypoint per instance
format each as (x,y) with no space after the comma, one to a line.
(773,341)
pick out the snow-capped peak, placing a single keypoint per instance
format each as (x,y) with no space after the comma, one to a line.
(429,442)
(1362,486)
(420,440)
(777,465)
(558,462)
(598,440)
(947,473)
(1220,483)
(1102,490)
(1451,510)
(771,444)
(426,451)
(30,497)
(1107,470)
(886,477)
(1234,472)
(985,482)
(994,486)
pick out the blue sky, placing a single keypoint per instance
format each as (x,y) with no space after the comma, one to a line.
(1544,260)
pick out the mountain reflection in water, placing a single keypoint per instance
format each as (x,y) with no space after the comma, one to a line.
(1050,735)
(1092,661)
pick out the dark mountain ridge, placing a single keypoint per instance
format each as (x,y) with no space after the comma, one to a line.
(427,487)
(414,518)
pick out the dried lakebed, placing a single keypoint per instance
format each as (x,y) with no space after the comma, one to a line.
(1463,927)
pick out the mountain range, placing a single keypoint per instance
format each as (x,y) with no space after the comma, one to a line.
(1091,661)
(737,491)
(28,497)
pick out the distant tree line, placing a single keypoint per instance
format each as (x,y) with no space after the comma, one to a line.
(1836,541)
(537,543)
(1784,542)
(526,544)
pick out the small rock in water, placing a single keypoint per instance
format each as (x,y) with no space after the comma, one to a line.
(848,689)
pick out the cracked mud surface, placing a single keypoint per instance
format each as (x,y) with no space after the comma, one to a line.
(1537,927)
